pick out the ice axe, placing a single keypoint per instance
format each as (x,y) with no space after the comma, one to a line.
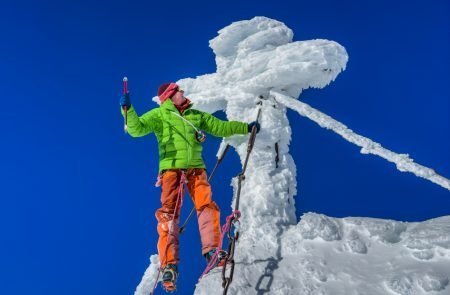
(125,91)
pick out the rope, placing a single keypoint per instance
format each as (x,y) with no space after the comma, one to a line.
(186,120)
(225,229)
(179,197)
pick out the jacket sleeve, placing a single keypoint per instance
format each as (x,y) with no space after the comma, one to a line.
(220,128)
(143,125)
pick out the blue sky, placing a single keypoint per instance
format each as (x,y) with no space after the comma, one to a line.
(78,201)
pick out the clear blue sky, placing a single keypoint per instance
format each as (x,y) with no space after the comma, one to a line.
(77,195)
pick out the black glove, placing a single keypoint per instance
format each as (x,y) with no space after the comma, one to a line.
(250,126)
(125,100)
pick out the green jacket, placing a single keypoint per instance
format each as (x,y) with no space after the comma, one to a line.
(177,145)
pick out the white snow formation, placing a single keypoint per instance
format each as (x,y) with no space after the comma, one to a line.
(257,61)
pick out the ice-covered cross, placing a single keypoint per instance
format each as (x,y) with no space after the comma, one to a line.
(257,60)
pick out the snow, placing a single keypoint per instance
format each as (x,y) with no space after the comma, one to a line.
(258,62)
(150,276)
(325,255)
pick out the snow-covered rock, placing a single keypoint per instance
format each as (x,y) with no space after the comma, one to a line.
(342,256)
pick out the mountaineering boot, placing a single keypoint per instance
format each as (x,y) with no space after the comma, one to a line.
(169,277)
(220,257)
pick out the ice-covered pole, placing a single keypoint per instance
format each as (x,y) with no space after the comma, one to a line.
(403,162)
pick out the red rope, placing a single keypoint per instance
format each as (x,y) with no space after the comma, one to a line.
(225,229)
(179,197)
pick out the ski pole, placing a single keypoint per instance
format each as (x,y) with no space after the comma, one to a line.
(125,91)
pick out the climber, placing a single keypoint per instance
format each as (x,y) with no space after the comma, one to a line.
(178,129)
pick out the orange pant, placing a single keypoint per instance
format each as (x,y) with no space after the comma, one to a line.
(207,213)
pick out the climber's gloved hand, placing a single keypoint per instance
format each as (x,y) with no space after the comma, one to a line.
(125,100)
(250,126)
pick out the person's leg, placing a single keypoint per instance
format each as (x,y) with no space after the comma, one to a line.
(168,228)
(208,213)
